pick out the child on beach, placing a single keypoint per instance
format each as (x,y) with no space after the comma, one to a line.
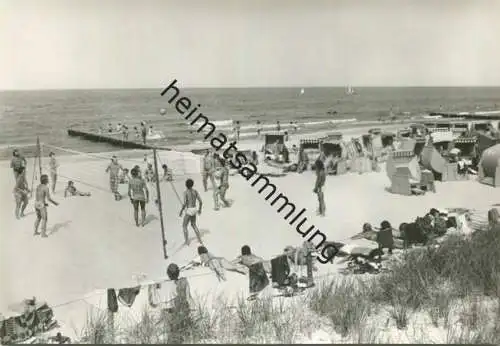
(71,190)
(114,169)
(385,239)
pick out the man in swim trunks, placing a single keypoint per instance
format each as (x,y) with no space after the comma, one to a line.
(53,165)
(224,184)
(21,193)
(114,169)
(191,196)
(17,162)
(139,195)
(318,188)
(42,195)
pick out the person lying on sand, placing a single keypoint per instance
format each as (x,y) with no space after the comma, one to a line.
(247,258)
(71,190)
(21,193)
(217,264)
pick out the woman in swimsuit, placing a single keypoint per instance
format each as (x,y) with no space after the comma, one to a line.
(21,192)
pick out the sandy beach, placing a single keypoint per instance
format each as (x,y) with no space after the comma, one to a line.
(93,243)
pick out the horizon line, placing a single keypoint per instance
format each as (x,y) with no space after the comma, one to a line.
(263,87)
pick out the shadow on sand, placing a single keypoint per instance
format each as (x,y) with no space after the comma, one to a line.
(58,226)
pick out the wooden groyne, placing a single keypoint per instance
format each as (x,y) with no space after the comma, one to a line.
(128,144)
(487,115)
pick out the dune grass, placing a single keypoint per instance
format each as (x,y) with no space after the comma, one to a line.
(456,285)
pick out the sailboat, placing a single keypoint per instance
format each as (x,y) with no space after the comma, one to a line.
(302,91)
(350,90)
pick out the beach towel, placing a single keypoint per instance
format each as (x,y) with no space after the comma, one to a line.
(112,300)
(127,296)
(280,270)
(258,279)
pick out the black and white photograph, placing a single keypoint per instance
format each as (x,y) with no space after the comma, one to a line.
(249,172)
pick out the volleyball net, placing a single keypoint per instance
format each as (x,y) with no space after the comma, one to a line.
(89,169)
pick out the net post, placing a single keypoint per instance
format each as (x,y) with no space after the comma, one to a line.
(39,154)
(160,209)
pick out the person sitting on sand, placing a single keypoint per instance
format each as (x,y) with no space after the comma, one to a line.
(385,239)
(149,174)
(71,190)
(167,173)
(224,185)
(21,193)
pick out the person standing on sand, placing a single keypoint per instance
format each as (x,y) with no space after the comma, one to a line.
(191,196)
(21,192)
(175,301)
(278,126)
(224,184)
(208,172)
(259,128)
(18,161)
(139,196)
(144,132)
(237,129)
(318,187)
(114,169)
(42,195)
(53,165)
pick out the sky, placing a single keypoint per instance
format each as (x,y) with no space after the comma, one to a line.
(73,44)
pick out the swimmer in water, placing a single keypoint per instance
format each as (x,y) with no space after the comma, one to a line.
(191,196)
(42,196)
